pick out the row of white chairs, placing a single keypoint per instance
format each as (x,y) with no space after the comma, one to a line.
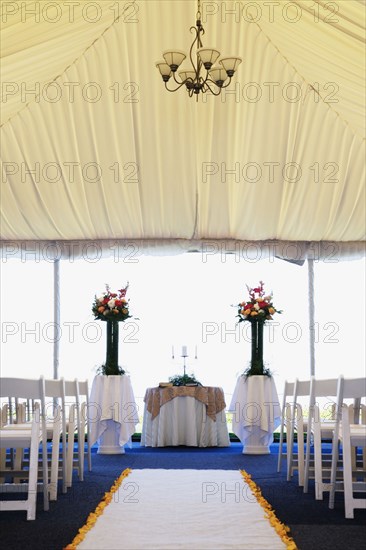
(342,421)
(35,412)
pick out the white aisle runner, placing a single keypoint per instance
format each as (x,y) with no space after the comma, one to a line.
(181,510)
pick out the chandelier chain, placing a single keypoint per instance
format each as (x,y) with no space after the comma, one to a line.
(198,15)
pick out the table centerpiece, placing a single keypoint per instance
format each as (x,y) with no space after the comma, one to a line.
(184,379)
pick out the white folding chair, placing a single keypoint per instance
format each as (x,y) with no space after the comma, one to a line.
(56,414)
(349,433)
(295,461)
(319,429)
(19,421)
(288,391)
(21,388)
(83,392)
(75,461)
(24,439)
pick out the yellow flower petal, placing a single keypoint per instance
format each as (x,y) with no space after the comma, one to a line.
(93,516)
(281,529)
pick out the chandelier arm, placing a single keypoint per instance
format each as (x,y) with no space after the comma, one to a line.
(209,87)
(198,30)
(175,89)
(228,84)
(180,82)
(213,82)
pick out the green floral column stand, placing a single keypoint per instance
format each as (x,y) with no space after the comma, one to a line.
(256,363)
(111,364)
(257,310)
(111,308)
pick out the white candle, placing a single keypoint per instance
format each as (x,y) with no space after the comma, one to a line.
(184,351)
(196,353)
(172,352)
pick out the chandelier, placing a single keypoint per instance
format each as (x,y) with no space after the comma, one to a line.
(205,75)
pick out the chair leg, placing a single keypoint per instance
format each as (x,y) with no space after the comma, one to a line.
(64,460)
(33,472)
(318,465)
(290,449)
(89,455)
(70,446)
(2,463)
(46,505)
(55,459)
(347,466)
(85,433)
(285,422)
(81,443)
(308,452)
(333,474)
(279,463)
(87,424)
(300,452)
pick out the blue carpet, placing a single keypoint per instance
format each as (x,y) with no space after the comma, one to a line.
(312,524)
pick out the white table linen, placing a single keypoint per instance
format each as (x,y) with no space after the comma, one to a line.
(256,413)
(184,421)
(113,413)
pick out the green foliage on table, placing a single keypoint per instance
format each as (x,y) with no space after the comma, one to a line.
(184,379)
(110,370)
(257,368)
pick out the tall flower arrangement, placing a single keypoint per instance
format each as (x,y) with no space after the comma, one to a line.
(112,307)
(257,310)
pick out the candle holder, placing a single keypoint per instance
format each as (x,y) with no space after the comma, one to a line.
(184,362)
(185,379)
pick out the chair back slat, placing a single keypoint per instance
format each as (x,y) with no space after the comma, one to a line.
(288,390)
(54,388)
(22,388)
(71,389)
(302,388)
(323,388)
(354,388)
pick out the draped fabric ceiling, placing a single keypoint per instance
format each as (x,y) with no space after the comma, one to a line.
(94,147)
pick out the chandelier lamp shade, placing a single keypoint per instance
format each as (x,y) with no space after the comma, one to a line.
(207,73)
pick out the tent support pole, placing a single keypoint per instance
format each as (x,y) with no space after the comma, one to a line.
(56,317)
(311,315)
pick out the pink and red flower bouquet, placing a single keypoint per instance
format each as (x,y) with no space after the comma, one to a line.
(259,307)
(112,306)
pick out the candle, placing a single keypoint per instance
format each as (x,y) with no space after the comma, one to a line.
(172,352)
(184,351)
(196,353)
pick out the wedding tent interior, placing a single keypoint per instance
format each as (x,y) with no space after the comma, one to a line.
(107,176)
(98,159)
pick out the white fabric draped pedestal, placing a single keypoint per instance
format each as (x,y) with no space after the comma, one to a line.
(256,413)
(112,413)
(184,421)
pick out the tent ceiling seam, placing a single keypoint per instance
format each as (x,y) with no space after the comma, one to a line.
(309,86)
(76,60)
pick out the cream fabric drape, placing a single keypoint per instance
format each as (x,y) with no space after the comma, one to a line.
(106,153)
(131,249)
